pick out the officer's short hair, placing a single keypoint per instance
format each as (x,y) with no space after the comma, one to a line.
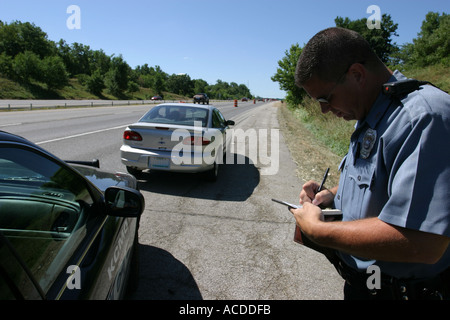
(330,53)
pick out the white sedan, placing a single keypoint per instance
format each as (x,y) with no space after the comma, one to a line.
(178,137)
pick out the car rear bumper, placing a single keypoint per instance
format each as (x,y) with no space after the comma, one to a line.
(164,160)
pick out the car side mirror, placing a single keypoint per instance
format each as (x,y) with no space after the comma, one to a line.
(124,202)
(230,123)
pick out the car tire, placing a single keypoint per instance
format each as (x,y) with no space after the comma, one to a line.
(134,171)
(212,174)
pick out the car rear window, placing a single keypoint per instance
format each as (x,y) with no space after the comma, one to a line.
(177,115)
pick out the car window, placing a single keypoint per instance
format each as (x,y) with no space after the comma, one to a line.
(218,120)
(177,115)
(222,119)
(43,206)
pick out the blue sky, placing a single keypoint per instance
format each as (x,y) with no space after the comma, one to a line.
(232,40)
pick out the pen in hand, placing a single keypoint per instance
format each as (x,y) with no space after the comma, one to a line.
(323,180)
(322,184)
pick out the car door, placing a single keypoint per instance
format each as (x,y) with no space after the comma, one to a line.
(55,240)
(220,123)
(44,207)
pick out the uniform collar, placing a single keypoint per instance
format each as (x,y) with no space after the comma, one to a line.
(380,106)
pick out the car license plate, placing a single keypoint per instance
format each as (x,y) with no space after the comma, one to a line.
(158,162)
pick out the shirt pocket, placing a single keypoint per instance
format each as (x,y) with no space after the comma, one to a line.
(360,179)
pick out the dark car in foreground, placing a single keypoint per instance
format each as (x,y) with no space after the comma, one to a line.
(67,231)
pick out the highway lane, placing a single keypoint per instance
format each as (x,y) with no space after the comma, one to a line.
(200,240)
(85,133)
(75,134)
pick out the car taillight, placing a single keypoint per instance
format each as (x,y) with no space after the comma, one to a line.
(196,141)
(131,135)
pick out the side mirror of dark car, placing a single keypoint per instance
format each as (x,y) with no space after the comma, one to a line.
(124,202)
(230,123)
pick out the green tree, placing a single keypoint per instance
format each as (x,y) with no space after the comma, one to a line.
(53,72)
(432,46)
(6,65)
(244,91)
(151,77)
(133,86)
(200,86)
(26,66)
(18,37)
(219,90)
(379,39)
(77,57)
(100,61)
(159,83)
(224,90)
(117,78)
(94,83)
(285,75)
(180,84)
(145,81)
(145,70)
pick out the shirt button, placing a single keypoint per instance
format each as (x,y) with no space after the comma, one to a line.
(359,178)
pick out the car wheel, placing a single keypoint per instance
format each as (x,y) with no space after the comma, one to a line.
(134,171)
(212,174)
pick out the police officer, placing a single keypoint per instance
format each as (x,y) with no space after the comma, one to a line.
(394,188)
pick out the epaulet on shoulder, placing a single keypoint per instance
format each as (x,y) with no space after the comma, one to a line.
(399,89)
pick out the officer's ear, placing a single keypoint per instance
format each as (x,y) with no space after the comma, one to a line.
(358,73)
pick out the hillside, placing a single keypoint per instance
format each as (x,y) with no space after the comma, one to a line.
(38,68)
(74,90)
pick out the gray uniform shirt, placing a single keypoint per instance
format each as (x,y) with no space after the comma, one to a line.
(398,169)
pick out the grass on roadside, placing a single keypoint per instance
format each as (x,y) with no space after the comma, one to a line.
(311,154)
(436,74)
(333,132)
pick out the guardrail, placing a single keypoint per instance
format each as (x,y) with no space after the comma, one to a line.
(10,105)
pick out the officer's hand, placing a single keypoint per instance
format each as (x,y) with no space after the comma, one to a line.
(307,217)
(308,194)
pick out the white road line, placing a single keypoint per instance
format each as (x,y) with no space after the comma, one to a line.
(81,134)
(11,124)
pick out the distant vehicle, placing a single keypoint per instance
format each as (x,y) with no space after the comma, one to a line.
(157,98)
(201,97)
(67,231)
(180,137)
(244,99)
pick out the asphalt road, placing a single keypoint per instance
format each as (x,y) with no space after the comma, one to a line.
(202,240)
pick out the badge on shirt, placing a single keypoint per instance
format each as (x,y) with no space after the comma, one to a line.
(367,144)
